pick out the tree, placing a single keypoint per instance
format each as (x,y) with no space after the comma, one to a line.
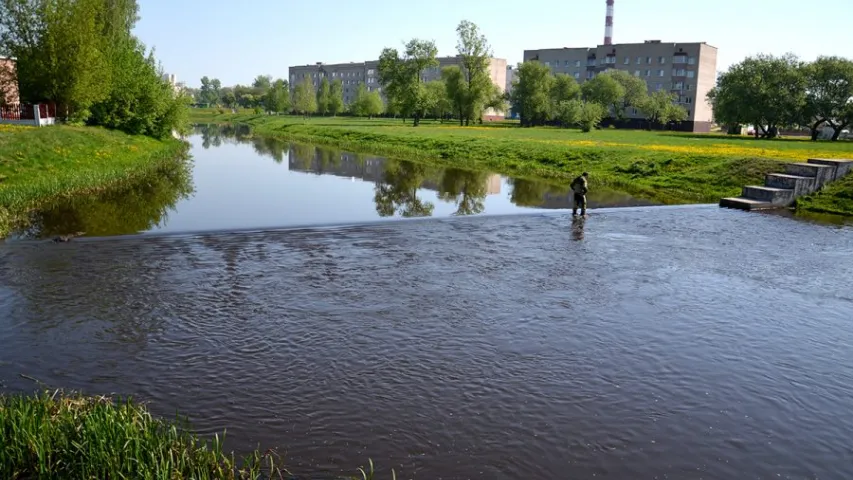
(660,108)
(366,104)
(603,90)
(440,103)
(590,115)
(568,112)
(475,83)
(336,97)
(210,90)
(82,55)
(531,93)
(635,88)
(829,92)
(455,90)
(262,83)
(304,101)
(401,76)
(324,96)
(228,97)
(766,91)
(277,98)
(61,50)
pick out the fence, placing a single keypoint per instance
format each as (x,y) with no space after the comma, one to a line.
(26,114)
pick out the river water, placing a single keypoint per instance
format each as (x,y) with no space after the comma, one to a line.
(240,182)
(644,342)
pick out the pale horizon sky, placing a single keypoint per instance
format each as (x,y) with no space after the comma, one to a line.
(236,41)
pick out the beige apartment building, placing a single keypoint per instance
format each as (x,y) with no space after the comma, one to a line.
(354,74)
(688,70)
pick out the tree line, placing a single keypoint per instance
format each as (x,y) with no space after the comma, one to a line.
(774,92)
(81,55)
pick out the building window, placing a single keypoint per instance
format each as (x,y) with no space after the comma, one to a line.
(688,113)
(590,62)
(577,63)
(627,60)
(590,74)
(661,73)
(577,75)
(691,74)
(691,61)
(639,60)
(662,60)
(688,100)
(659,87)
(679,59)
(633,111)
(687,87)
(547,64)
(636,73)
(648,73)
(649,60)
(678,86)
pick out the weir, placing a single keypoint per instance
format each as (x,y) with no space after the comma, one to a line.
(780,190)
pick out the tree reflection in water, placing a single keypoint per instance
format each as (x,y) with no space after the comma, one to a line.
(398,190)
(467,189)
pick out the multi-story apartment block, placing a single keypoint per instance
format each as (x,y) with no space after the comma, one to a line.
(353,74)
(688,70)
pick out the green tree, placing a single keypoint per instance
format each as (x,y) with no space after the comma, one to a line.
(277,98)
(228,97)
(336,97)
(474,57)
(401,76)
(829,92)
(366,104)
(635,89)
(765,90)
(590,115)
(262,83)
(324,96)
(211,90)
(603,90)
(304,100)
(439,101)
(531,93)
(564,88)
(62,54)
(660,108)
(568,112)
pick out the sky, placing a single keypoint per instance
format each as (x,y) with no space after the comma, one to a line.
(237,40)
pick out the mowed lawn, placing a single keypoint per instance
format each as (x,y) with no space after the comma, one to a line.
(667,166)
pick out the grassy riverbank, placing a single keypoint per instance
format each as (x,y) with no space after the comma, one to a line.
(664,166)
(39,165)
(61,436)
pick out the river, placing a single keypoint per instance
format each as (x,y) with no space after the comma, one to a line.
(642,342)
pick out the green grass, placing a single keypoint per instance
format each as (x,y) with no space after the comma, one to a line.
(40,165)
(58,436)
(835,199)
(663,166)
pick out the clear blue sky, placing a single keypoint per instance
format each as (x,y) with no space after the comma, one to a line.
(238,40)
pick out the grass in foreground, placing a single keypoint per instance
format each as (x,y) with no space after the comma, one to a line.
(59,436)
(38,165)
(664,166)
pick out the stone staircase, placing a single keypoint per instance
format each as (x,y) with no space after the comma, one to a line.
(781,189)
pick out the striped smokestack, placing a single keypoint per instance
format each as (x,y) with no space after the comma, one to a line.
(608,24)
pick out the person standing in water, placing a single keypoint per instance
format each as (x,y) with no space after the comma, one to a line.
(580,187)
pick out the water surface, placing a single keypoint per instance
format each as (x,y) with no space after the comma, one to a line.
(666,342)
(237,181)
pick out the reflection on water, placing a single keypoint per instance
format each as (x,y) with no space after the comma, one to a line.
(134,208)
(236,187)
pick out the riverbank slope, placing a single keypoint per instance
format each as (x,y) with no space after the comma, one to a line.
(38,165)
(667,167)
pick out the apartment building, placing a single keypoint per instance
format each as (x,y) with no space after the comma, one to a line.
(8,82)
(354,74)
(688,70)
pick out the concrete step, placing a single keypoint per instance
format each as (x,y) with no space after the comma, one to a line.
(822,173)
(799,184)
(841,167)
(741,203)
(776,196)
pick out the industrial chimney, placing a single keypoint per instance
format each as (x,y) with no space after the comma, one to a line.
(608,24)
